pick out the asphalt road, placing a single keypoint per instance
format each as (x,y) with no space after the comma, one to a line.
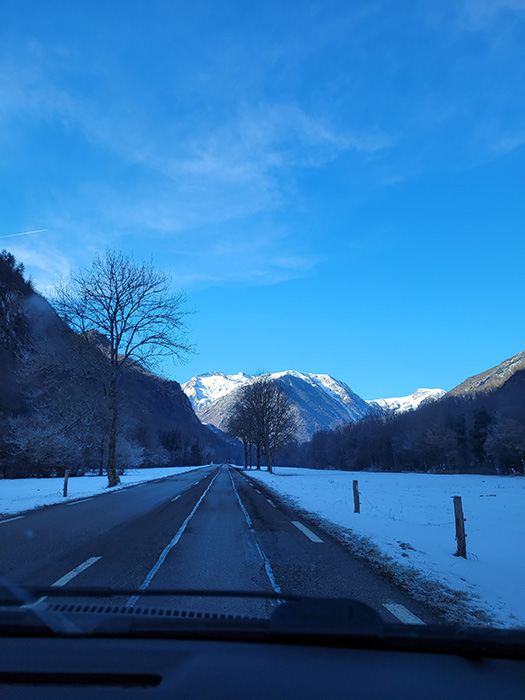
(213,529)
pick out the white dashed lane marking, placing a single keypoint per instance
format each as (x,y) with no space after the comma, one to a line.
(8,520)
(403,614)
(174,499)
(167,549)
(270,502)
(76,571)
(306,531)
(75,503)
(68,577)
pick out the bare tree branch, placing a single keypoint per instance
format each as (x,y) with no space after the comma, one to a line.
(132,306)
(263,416)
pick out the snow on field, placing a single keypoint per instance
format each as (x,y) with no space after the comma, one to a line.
(410,517)
(17,495)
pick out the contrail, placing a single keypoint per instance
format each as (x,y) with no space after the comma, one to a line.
(25,233)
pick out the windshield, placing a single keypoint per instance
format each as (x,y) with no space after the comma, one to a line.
(260,273)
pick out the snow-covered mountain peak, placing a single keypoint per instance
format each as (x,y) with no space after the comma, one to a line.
(401,404)
(205,388)
(322,401)
(335,387)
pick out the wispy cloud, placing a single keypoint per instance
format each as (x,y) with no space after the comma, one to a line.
(44,261)
(231,171)
(264,255)
(198,181)
(252,273)
(262,141)
(219,172)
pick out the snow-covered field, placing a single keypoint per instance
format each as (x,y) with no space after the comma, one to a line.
(17,495)
(410,517)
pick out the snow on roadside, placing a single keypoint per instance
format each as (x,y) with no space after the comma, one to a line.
(18,495)
(410,517)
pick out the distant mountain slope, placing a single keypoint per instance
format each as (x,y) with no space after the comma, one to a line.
(402,404)
(52,392)
(492,378)
(322,401)
(477,427)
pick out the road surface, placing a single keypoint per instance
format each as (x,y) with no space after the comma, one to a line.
(213,528)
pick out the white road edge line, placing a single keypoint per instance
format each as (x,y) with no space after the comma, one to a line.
(306,531)
(167,549)
(403,614)
(265,559)
(8,520)
(270,502)
(176,498)
(75,503)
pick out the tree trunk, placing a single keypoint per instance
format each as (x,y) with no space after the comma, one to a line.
(113,477)
(245,445)
(250,454)
(258,454)
(393,456)
(268,460)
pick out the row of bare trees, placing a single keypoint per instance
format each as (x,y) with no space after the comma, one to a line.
(263,418)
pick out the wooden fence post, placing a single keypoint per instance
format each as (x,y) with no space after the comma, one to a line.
(66,477)
(460,528)
(356,497)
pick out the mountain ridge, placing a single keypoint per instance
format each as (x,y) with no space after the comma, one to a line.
(53,409)
(491,378)
(322,401)
(411,402)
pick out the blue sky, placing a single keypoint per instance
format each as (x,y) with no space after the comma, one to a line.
(338,186)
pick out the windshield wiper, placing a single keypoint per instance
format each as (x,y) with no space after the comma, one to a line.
(20,606)
(294,614)
(326,616)
(105,592)
(295,619)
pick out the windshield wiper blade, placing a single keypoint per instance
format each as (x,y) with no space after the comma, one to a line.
(18,602)
(297,618)
(294,614)
(327,616)
(99,592)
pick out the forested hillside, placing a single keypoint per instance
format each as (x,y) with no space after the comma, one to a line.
(474,432)
(53,408)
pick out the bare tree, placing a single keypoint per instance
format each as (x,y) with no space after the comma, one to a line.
(505,445)
(132,306)
(240,426)
(281,422)
(264,416)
